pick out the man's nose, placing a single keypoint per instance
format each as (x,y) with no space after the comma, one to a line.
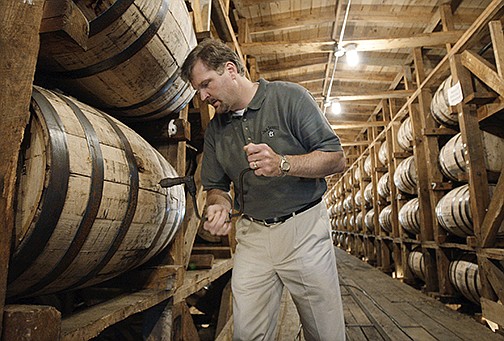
(203,95)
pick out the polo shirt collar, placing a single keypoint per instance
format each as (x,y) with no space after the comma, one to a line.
(259,96)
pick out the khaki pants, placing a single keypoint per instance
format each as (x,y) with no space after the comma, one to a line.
(299,254)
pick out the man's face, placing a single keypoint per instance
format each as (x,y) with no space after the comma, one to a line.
(216,89)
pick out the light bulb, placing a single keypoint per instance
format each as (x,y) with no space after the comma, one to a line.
(336,108)
(352,57)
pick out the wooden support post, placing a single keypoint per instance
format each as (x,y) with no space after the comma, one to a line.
(158,322)
(226,308)
(471,137)
(494,275)
(398,260)
(31,322)
(408,275)
(495,215)
(19,38)
(443,265)
(431,273)
(426,151)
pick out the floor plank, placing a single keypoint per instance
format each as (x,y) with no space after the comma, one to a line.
(378,307)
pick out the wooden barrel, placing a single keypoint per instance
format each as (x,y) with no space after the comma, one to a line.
(405,176)
(339,190)
(131,66)
(339,223)
(453,212)
(409,216)
(358,221)
(358,199)
(464,275)
(89,205)
(367,165)
(339,207)
(384,186)
(383,154)
(351,222)
(452,156)
(440,108)
(405,135)
(368,193)
(330,211)
(348,202)
(357,175)
(416,263)
(385,219)
(369,220)
(346,225)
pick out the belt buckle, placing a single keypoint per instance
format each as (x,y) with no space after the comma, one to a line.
(267,224)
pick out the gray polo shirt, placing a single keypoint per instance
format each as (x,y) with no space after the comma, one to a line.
(284,116)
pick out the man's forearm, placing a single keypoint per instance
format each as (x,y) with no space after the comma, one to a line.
(316,164)
(218,197)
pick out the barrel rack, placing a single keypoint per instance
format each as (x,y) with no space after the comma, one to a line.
(481,110)
(159,290)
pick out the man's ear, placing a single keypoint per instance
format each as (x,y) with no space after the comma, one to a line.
(231,68)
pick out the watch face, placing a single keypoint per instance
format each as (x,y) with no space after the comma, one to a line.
(285,165)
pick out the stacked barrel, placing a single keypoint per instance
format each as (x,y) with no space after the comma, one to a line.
(89,203)
(453,210)
(393,174)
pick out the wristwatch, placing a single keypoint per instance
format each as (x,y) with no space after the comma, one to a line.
(284,165)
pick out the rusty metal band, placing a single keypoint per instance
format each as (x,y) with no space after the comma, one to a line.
(131,205)
(111,14)
(53,196)
(155,241)
(93,204)
(124,55)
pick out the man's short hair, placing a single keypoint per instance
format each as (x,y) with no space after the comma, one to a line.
(214,54)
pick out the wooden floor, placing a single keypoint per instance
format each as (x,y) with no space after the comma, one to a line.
(377,307)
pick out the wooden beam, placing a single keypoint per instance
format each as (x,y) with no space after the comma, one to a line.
(221,19)
(494,276)
(420,40)
(19,41)
(497,45)
(197,279)
(483,70)
(415,16)
(379,95)
(492,311)
(358,124)
(494,216)
(92,321)
(342,76)
(31,322)
(355,143)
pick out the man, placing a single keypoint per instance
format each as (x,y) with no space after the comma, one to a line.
(277,130)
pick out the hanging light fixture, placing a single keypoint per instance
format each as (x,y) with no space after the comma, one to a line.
(336,107)
(339,51)
(352,57)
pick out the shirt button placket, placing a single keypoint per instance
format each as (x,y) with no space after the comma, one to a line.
(246,130)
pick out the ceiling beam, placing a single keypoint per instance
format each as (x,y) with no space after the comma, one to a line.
(419,40)
(378,95)
(267,66)
(418,16)
(355,143)
(358,124)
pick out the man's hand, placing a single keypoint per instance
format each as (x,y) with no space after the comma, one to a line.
(218,222)
(263,160)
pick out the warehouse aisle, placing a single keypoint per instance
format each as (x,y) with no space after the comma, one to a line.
(378,307)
